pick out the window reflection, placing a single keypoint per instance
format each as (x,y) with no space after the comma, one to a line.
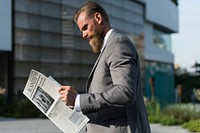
(162,39)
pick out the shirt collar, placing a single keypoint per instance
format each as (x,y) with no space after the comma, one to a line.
(106,38)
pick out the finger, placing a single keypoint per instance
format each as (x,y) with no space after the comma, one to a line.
(63,92)
(60,89)
(63,98)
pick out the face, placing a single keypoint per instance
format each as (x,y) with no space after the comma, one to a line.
(91,30)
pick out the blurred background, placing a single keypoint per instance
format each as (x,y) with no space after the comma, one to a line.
(41,35)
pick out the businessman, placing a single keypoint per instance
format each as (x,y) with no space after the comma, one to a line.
(113,100)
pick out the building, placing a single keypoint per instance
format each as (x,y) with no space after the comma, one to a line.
(161,20)
(46,39)
(6,51)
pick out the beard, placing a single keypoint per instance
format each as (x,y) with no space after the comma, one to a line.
(97,40)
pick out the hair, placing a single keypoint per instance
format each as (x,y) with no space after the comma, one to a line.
(90,8)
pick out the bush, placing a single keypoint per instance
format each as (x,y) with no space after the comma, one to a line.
(153,111)
(181,114)
(154,119)
(193,125)
(169,120)
(23,109)
(26,110)
(170,115)
(176,115)
(2,104)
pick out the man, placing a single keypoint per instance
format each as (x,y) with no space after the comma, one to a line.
(114,101)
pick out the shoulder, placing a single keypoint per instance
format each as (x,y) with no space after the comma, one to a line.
(117,35)
(119,46)
(119,40)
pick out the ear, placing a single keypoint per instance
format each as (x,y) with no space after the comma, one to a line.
(98,17)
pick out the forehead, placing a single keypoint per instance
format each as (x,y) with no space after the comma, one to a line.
(82,19)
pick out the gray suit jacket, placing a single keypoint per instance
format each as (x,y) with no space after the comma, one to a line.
(114,102)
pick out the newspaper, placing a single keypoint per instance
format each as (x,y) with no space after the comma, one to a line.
(43,92)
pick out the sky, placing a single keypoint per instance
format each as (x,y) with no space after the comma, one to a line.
(186,43)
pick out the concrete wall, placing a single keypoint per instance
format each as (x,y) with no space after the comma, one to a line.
(163,13)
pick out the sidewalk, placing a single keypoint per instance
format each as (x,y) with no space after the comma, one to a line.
(27,126)
(157,128)
(46,126)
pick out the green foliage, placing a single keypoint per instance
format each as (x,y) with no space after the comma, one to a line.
(153,111)
(166,117)
(169,120)
(22,109)
(26,109)
(188,82)
(175,115)
(2,104)
(193,125)
(171,115)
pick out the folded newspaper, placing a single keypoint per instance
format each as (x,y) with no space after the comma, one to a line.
(43,92)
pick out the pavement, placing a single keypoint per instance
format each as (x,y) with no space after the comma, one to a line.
(157,128)
(10,125)
(27,126)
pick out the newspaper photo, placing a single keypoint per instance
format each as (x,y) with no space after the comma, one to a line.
(43,92)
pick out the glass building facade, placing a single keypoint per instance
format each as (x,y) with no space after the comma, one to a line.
(46,38)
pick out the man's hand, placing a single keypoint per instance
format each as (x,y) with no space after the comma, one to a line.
(67,95)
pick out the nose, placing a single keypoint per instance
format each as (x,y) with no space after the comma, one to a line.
(84,34)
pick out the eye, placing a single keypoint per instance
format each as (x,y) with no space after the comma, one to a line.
(85,27)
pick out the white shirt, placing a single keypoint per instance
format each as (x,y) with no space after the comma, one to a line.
(106,38)
(77,101)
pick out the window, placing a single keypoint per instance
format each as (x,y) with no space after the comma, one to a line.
(162,39)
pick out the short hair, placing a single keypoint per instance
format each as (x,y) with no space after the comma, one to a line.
(90,8)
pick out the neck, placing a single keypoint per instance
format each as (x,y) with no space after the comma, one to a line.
(107,28)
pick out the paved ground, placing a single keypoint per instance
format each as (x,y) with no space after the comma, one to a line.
(157,128)
(46,126)
(27,126)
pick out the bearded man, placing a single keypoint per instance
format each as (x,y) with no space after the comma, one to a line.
(113,100)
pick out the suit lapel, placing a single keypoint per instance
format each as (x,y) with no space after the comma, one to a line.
(96,63)
(92,71)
